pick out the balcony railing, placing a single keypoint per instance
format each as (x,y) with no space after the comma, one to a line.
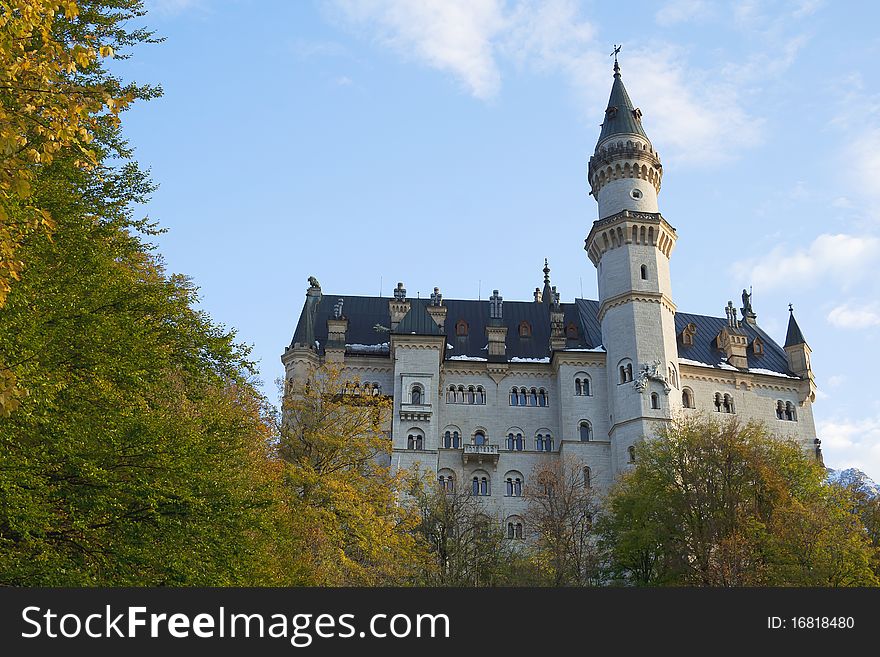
(480,454)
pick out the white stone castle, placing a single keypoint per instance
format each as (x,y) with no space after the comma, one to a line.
(483,391)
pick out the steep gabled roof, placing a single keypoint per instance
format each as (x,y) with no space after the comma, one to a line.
(418,322)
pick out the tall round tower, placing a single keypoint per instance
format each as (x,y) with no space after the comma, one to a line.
(630,245)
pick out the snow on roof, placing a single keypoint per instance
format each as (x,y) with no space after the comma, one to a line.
(475,358)
(517,359)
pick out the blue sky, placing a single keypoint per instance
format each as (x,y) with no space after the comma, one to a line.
(445,142)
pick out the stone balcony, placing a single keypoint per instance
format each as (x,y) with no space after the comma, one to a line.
(415,412)
(480,454)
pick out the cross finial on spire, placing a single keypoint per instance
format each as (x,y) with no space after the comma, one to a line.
(790,308)
(614,54)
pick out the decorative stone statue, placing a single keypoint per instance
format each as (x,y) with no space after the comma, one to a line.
(337,309)
(651,372)
(313,282)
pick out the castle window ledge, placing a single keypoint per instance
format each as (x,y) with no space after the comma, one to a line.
(480,454)
(415,411)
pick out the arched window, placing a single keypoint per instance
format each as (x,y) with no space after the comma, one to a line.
(758,347)
(479,438)
(585,431)
(718,400)
(673,376)
(790,412)
(481,395)
(728,404)
(456,440)
(626,370)
(533,397)
(450,395)
(631,451)
(514,528)
(416,395)
(415,440)
(513,397)
(655,400)
(461,328)
(513,484)
(525,329)
(687,398)
(542,397)
(780,410)
(471,395)
(446,480)
(459,395)
(644,273)
(544,442)
(582,385)
(447,439)
(522,397)
(587,477)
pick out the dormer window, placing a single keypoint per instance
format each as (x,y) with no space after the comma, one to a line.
(688,333)
(571,331)
(461,328)
(525,330)
(758,347)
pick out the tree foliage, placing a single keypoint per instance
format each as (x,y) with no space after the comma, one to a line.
(720,504)
(348,525)
(139,452)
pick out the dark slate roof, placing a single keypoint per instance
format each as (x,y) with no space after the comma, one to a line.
(704,349)
(621,120)
(365,314)
(417,321)
(793,336)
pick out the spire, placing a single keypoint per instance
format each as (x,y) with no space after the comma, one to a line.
(547,293)
(621,117)
(793,336)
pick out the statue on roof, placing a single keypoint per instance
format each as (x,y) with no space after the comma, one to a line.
(747,304)
(313,282)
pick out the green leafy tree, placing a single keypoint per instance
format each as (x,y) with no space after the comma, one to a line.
(349,527)
(720,504)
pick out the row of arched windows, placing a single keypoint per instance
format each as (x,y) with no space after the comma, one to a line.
(524,397)
(415,440)
(481,483)
(368,388)
(462,395)
(723,403)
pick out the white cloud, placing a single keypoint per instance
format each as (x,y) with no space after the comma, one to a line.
(850,442)
(845,259)
(679,11)
(836,380)
(449,35)
(854,317)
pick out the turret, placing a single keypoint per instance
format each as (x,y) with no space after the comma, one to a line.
(798,352)
(630,245)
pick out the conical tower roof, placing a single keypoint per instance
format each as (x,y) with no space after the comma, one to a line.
(621,117)
(793,336)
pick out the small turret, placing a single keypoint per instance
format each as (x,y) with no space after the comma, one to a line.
(798,352)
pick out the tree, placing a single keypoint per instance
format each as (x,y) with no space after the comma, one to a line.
(343,496)
(56,100)
(467,546)
(720,504)
(560,515)
(140,454)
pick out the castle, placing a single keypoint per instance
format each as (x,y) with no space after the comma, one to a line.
(483,391)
